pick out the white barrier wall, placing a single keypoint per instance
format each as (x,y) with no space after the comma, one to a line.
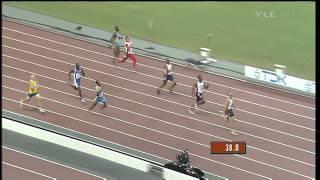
(280,79)
(88,148)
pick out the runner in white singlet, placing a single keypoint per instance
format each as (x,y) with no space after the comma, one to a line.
(228,113)
(197,90)
(167,76)
(77,73)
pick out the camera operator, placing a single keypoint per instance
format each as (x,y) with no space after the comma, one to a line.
(183,159)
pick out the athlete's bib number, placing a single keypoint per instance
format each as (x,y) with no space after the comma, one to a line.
(77,75)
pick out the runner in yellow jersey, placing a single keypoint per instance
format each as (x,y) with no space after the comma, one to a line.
(33,91)
(100,97)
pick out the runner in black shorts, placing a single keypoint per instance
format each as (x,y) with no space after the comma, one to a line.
(167,76)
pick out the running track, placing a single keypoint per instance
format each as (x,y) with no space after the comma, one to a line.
(279,127)
(14,167)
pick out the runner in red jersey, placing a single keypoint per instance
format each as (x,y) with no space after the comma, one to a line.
(129,53)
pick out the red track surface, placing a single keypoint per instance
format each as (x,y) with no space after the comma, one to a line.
(14,166)
(279,127)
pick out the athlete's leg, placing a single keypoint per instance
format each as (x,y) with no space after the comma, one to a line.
(74,84)
(104,101)
(193,106)
(134,61)
(173,85)
(77,85)
(80,94)
(202,101)
(94,104)
(105,105)
(116,52)
(24,100)
(226,117)
(162,85)
(39,98)
(231,121)
(124,58)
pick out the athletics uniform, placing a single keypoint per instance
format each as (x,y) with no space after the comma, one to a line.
(100,98)
(199,87)
(33,89)
(76,77)
(169,75)
(116,39)
(128,46)
(229,110)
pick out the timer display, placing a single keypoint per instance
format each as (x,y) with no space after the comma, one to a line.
(226,147)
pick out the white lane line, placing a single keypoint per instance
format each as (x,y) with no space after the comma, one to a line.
(161,79)
(94,137)
(199,120)
(165,99)
(245,122)
(206,134)
(160,132)
(28,170)
(253,124)
(163,133)
(249,146)
(157,87)
(273,119)
(156,77)
(53,162)
(276,99)
(130,135)
(177,114)
(147,117)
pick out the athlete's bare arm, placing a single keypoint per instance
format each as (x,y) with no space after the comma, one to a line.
(194,87)
(82,71)
(206,85)
(166,70)
(227,103)
(127,49)
(72,71)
